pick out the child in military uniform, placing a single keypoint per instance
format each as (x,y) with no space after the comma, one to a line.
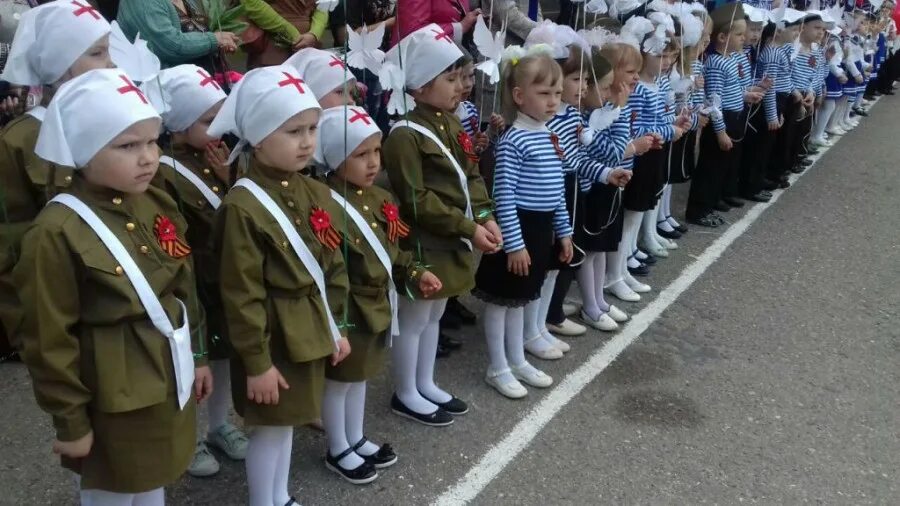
(53,43)
(193,172)
(110,305)
(282,278)
(431,165)
(350,145)
(326,75)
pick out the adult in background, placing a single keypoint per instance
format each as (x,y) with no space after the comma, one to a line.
(453,16)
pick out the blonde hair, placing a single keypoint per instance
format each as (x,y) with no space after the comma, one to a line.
(620,54)
(526,71)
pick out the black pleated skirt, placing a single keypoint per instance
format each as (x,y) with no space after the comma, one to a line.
(681,158)
(598,223)
(647,181)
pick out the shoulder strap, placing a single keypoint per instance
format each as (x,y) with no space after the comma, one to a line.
(195,180)
(306,257)
(379,250)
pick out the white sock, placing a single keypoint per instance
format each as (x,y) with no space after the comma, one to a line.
(615,263)
(834,121)
(220,400)
(534,323)
(494,335)
(632,222)
(264,464)
(648,230)
(515,342)
(414,316)
(428,344)
(600,281)
(858,102)
(635,232)
(94,497)
(847,111)
(546,297)
(586,279)
(822,119)
(334,418)
(355,414)
(663,209)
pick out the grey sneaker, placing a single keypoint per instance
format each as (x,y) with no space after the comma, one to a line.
(231,440)
(204,463)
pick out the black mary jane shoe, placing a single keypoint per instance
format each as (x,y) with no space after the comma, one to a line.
(718,217)
(759,197)
(733,202)
(383,458)
(674,234)
(707,221)
(721,206)
(861,112)
(454,406)
(640,271)
(364,474)
(681,228)
(650,260)
(451,343)
(439,418)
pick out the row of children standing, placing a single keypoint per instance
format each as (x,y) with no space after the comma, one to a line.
(165,268)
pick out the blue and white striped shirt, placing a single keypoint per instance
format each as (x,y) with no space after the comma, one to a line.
(468,116)
(609,145)
(762,4)
(648,112)
(529,176)
(804,71)
(745,68)
(722,79)
(667,94)
(769,66)
(567,124)
(821,70)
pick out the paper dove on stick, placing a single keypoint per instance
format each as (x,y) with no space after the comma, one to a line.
(393,78)
(491,47)
(135,59)
(365,48)
(327,5)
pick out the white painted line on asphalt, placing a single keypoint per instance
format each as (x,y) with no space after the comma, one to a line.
(501,454)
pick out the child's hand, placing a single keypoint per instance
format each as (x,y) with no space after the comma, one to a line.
(263,389)
(305,40)
(619,95)
(494,229)
(703,121)
(518,262)
(819,101)
(766,83)
(753,97)
(566,250)
(484,240)
(203,383)
(842,79)
(678,133)
(774,125)
(642,144)
(216,155)
(797,96)
(343,350)
(481,142)
(619,177)
(497,123)
(77,449)
(429,284)
(684,120)
(725,143)
(657,141)
(859,79)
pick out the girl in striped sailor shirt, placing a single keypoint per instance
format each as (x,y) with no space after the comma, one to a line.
(531,209)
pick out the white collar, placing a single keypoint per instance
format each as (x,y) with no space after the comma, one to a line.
(38,113)
(526,122)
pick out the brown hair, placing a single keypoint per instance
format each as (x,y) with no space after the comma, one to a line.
(528,70)
(576,62)
(619,54)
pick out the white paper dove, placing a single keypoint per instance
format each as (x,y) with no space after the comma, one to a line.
(365,48)
(327,5)
(391,77)
(713,107)
(597,7)
(795,49)
(491,47)
(603,117)
(135,59)
(876,4)
(656,43)
(777,15)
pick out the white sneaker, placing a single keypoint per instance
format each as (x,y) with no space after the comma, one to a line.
(231,440)
(204,464)
(570,308)
(668,243)
(531,376)
(557,343)
(543,353)
(622,292)
(617,314)
(636,285)
(567,328)
(512,390)
(820,141)
(836,131)
(604,323)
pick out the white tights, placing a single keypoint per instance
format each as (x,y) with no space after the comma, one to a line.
(591,278)
(94,497)
(823,117)
(269,465)
(503,327)
(413,354)
(343,413)
(616,267)
(220,400)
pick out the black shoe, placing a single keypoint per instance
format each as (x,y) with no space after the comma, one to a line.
(784,183)
(812,151)
(292,502)
(650,260)
(640,271)
(10,357)
(759,197)
(765,193)
(860,112)
(439,418)
(722,206)
(465,315)
(681,228)
(888,92)
(707,221)
(384,457)
(441,352)
(448,342)
(806,162)
(674,234)
(733,201)
(797,169)
(454,406)
(769,185)
(718,217)
(363,474)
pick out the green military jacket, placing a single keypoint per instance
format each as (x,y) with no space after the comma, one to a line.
(200,215)
(431,201)
(271,303)
(26,184)
(369,308)
(88,342)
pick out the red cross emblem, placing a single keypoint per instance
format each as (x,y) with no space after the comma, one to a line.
(337,62)
(440,34)
(207,79)
(292,81)
(80,9)
(131,88)
(360,115)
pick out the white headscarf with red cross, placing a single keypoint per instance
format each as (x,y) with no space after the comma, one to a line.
(182,95)
(423,55)
(322,70)
(50,38)
(341,130)
(87,113)
(260,103)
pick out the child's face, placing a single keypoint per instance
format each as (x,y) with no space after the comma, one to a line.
(342,95)
(467,75)
(539,100)
(598,93)
(812,32)
(291,146)
(733,41)
(573,88)
(129,162)
(195,136)
(628,74)
(96,57)
(754,32)
(652,65)
(363,164)
(667,60)
(704,38)
(442,92)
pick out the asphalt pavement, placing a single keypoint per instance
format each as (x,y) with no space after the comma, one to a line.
(771,379)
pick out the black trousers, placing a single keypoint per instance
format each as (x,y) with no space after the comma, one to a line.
(714,166)
(783,155)
(755,153)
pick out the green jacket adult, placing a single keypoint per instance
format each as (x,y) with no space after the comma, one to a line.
(158,23)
